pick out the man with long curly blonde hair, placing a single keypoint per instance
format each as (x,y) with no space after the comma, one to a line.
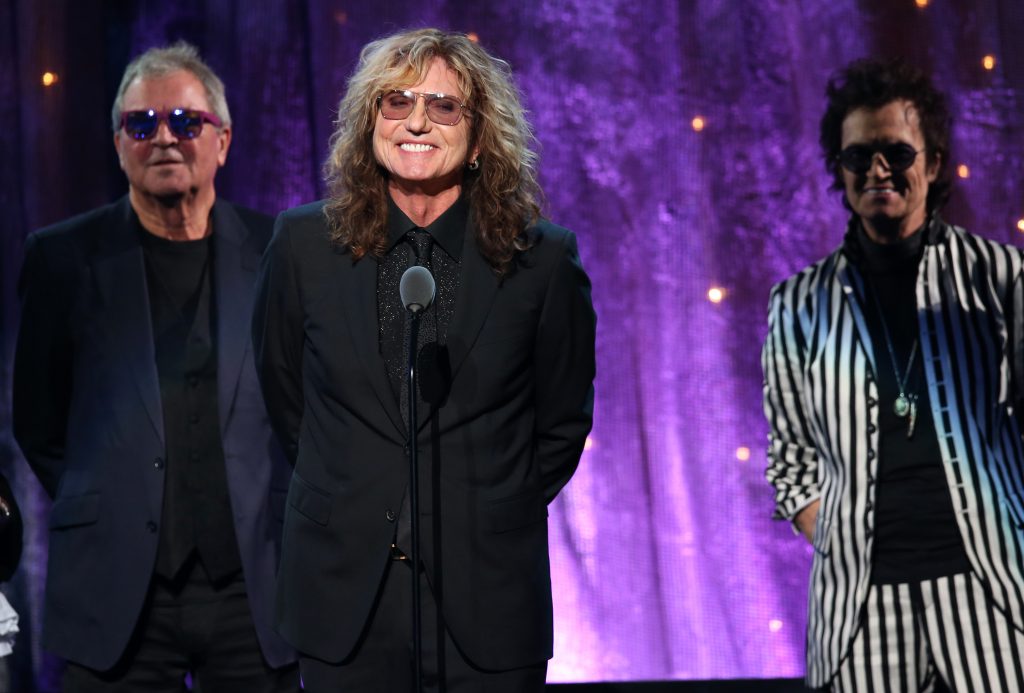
(430,164)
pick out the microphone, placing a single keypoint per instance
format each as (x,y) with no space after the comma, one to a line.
(416,289)
(435,373)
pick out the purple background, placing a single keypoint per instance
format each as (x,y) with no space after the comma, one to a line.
(665,563)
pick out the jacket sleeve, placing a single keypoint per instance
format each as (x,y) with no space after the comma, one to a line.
(42,364)
(1015,321)
(278,338)
(792,457)
(564,370)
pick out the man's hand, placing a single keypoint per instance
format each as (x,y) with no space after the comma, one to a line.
(805,519)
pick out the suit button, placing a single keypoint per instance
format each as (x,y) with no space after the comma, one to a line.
(871,454)
(151,526)
(390,514)
(872,402)
(158,463)
(406,448)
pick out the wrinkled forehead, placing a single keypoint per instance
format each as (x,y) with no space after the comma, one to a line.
(405,73)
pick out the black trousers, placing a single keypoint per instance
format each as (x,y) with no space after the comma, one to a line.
(383,659)
(189,631)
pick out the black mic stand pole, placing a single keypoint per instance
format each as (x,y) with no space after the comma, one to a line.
(414,507)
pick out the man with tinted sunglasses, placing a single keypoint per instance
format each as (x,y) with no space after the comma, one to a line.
(894,380)
(137,406)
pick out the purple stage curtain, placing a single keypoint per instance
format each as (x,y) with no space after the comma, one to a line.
(665,563)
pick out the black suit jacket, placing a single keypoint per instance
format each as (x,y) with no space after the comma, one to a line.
(88,417)
(508,437)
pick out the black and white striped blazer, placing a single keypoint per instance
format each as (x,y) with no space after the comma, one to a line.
(821,400)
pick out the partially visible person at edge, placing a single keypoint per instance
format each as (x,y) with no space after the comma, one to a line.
(137,405)
(11,538)
(430,164)
(893,385)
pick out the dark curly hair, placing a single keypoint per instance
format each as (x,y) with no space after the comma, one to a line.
(870,83)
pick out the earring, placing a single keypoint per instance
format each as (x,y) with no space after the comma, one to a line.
(473,165)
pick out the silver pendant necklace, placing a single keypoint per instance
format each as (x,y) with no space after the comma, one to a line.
(905,405)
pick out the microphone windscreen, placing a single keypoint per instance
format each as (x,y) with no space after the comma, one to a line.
(434,373)
(416,288)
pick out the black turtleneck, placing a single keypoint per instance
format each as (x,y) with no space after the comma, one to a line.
(916,534)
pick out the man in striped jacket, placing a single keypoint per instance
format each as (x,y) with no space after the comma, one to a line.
(893,386)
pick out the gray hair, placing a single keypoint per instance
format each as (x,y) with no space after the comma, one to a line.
(159,62)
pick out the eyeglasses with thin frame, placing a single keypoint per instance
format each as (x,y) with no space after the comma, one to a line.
(442,109)
(184,123)
(858,158)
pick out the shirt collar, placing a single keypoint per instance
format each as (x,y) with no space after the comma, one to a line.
(448,230)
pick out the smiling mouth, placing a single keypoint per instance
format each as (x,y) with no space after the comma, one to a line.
(415,147)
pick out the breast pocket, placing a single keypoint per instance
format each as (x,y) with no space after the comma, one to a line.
(516,512)
(75,511)
(309,501)
(513,331)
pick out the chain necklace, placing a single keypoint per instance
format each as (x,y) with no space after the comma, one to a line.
(905,405)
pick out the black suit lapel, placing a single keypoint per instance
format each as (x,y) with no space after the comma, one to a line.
(359,297)
(234,276)
(120,275)
(478,286)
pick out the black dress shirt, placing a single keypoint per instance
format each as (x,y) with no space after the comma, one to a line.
(448,232)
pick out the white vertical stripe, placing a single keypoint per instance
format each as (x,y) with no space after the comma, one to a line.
(983,638)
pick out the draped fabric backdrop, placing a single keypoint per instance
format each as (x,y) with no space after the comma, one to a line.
(665,562)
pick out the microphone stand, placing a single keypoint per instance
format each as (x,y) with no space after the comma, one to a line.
(414,509)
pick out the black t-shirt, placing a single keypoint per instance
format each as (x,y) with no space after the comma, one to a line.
(916,534)
(196,516)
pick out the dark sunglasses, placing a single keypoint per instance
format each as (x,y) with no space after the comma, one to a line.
(184,123)
(442,109)
(858,158)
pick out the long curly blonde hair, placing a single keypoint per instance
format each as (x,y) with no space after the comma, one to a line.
(503,193)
